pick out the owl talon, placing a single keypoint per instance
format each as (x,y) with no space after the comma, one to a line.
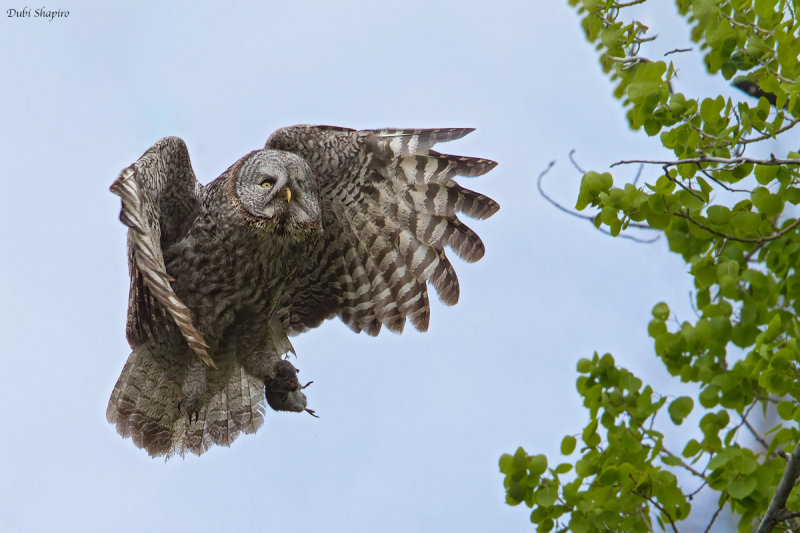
(190,412)
(311,411)
(307,384)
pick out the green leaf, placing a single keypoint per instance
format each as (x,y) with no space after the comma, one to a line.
(579,524)
(568,445)
(765,8)
(680,409)
(546,496)
(537,464)
(719,460)
(691,449)
(766,173)
(786,410)
(590,436)
(505,463)
(517,466)
(744,463)
(539,515)
(592,184)
(719,214)
(741,487)
(656,328)
(709,396)
(661,311)
(563,468)
(769,204)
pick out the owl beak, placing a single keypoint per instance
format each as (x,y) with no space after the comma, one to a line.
(288,195)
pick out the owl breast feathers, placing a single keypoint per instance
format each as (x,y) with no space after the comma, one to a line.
(322,222)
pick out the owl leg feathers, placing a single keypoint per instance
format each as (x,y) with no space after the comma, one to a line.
(193,389)
(169,402)
(156,395)
(143,404)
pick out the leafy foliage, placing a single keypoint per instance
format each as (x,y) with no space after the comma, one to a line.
(729,216)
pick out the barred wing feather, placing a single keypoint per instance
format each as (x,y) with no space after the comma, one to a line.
(390,207)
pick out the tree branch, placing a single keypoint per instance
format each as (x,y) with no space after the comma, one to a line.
(697,490)
(628,4)
(586,217)
(659,507)
(760,240)
(707,174)
(791,124)
(628,60)
(683,464)
(682,186)
(575,163)
(716,514)
(752,25)
(755,434)
(777,512)
(677,50)
(709,159)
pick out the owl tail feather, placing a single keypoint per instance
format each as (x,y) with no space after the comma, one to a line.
(145,405)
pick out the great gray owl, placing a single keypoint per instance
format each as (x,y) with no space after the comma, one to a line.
(322,222)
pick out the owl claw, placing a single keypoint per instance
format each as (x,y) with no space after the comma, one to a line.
(306,385)
(310,411)
(194,412)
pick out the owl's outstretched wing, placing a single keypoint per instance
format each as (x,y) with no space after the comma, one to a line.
(159,202)
(389,207)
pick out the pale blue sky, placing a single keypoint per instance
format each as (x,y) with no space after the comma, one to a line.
(411,427)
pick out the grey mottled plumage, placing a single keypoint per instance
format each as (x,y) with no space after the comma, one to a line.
(322,222)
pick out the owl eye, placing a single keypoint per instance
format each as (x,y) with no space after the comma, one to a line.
(267,183)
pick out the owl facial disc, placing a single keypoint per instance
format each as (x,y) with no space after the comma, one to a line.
(280,189)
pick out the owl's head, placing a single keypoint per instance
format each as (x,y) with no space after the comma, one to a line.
(280,191)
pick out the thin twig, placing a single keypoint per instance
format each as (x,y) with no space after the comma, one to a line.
(683,464)
(709,159)
(678,50)
(755,434)
(698,489)
(791,124)
(700,131)
(748,256)
(787,229)
(745,415)
(590,218)
(628,4)
(777,512)
(755,27)
(575,163)
(719,509)
(768,399)
(682,186)
(628,60)
(660,508)
(638,175)
(553,202)
(707,174)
